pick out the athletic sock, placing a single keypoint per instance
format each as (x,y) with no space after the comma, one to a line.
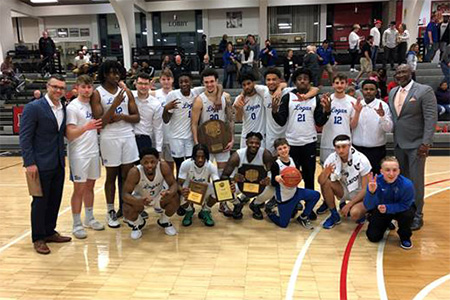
(164,219)
(189,208)
(110,206)
(258,201)
(76,220)
(88,213)
(138,221)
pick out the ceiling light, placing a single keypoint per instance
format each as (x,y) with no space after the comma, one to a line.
(44,1)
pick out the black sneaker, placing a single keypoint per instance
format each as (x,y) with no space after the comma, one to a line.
(256,209)
(391,226)
(244,199)
(312,216)
(181,211)
(225,209)
(237,211)
(322,209)
(119,213)
(144,215)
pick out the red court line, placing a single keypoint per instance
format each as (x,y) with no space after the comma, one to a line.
(344,267)
(348,249)
(436,182)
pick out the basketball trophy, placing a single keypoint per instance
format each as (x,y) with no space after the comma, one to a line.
(215,134)
(252,174)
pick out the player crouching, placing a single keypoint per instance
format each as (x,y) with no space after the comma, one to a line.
(144,186)
(285,178)
(198,169)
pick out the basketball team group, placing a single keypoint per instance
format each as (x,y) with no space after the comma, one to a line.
(148,142)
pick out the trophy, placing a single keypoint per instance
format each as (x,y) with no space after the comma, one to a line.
(253,174)
(215,134)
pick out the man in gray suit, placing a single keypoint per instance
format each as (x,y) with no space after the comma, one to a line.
(414,111)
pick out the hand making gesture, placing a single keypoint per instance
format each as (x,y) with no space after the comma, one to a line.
(372,185)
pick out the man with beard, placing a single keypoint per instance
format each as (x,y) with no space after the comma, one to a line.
(414,110)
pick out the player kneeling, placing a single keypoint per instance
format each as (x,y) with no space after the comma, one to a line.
(144,186)
(201,170)
(390,196)
(285,178)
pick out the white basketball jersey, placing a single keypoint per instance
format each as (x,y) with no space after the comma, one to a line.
(208,112)
(339,121)
(119,129)
(257,160)
(301,127)
(162,97)
(286,192)
(149,188)
(180,121)
(254,116)
(189,171)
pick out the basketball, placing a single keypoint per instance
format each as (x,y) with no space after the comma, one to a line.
(291,176)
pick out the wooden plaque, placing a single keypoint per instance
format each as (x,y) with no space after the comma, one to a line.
(222,189)
(197,192)
(253,174)
(215,134)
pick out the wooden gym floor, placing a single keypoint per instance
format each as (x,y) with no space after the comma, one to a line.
(244,259)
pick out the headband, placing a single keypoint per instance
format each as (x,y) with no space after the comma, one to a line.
(344,142)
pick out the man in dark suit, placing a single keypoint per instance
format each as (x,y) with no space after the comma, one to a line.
(414,113)
(42,130)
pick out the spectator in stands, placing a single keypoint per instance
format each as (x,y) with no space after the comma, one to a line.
(7,67)
(36,95)
(85,52)
(375,32)
(268,55)
(6,87)
(223,43)
(366,61)
(353,46)
(254,46)
(326,60)
(166,62)
(444,35)
(445,64)
(382,82)
(311,62)
(390,36)
(146,68)
(21,47)
(229,66)
(47,50)
(81,64)
(443,98)
(177,69)
(402,40)
(202,48)
(134,70)
(411,59)
(206,63)
(246,60)
(351,91)
(431,39)
(289,66)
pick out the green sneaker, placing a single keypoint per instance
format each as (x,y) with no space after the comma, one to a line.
(205,216)
(187,220)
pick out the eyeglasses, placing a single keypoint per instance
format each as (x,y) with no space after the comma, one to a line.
(55,87)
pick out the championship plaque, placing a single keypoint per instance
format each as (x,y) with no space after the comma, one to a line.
(197,192)
(215,134)
(252,176)
(222,189)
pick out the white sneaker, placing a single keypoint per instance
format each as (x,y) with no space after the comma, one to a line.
(94,224)
(136,227)
(136,233)
(111,219)
(169,229)
(352,70)
(79,232)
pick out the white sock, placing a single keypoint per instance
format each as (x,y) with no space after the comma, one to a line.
(138,221)
(189,208)
(88,213)
(164,219)
(109,206)
(258,201)
(76,220)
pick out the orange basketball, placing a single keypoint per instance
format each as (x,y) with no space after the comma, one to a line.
(291,176)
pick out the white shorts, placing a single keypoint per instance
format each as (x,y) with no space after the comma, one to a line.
(244,144)
(181,147)
(348,195)
(220,157)
(82,169)
(121,151)
(166,153)
(269,144)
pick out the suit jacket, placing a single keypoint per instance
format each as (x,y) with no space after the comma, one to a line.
(416,123)
(41,142)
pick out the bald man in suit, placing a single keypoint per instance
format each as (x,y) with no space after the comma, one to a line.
(414,111)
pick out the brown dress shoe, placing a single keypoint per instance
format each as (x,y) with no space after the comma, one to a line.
(57,238)
(41,247)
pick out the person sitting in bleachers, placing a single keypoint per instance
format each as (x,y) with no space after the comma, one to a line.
(36,95)
(443,98)
(81,64)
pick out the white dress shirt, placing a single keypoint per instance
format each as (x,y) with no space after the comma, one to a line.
(371,129)
(57,111)
(150,112)
(376,36)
